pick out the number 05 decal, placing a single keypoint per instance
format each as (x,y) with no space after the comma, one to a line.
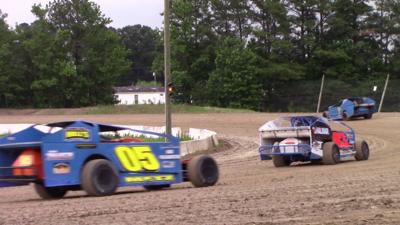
(137,158)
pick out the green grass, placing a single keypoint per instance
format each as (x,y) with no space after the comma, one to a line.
(157,109)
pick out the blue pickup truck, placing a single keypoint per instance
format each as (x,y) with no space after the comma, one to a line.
(97,158)
(350,108)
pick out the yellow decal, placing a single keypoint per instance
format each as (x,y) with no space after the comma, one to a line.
(137,158)
(149,178)
(78,133)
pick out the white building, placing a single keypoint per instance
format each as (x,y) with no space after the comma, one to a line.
(139,95)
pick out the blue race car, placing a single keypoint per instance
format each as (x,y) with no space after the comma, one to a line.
(97,158)
(351,108)
(309,139)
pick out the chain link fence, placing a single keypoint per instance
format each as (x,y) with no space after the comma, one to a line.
(302,95)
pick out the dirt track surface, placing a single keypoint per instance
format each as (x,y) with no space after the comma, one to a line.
(249,191)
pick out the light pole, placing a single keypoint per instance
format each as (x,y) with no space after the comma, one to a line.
(167,65)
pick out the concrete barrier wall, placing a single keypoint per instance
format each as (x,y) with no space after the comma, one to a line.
(203,139)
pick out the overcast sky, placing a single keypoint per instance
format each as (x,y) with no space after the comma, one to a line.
(122,12)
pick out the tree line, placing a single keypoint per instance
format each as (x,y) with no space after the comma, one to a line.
(227,53)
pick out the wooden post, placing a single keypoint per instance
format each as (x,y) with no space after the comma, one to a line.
(320,92)
(167,66)
(383,93)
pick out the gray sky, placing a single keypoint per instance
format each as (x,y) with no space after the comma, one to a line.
(122,12)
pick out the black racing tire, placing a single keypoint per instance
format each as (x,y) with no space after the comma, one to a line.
(345,116)
(49,192)
(99,178)
(203,171)
(330,154)
(280,161)
(156,187)
(368,116)
(362,150)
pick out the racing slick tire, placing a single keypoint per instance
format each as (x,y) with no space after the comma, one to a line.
(368,116)
(280,161)
(99,178)
(202,171)
(362,150)
(330,153)
(156,187)
(345,116)
(49,192)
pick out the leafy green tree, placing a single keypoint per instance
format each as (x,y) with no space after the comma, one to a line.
(6,40)
(382,27)
(193,43)
(231,18)
(235,81)
(347,40)
(94,58)
(303,23)
(142,43)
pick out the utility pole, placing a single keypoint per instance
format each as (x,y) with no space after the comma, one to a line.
(167,66)
(320,92)
(383,93)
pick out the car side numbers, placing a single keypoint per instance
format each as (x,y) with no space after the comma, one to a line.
(137,158)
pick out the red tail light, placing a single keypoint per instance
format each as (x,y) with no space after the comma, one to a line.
(28,163)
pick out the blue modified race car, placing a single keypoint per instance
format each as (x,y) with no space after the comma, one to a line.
(309,139)
(97,158)
(351,108)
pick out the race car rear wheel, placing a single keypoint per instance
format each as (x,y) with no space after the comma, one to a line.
(345,116)
(99,178)
(202,171)
(368,116)
(49,192)
(362,151)
(280,161)
(156,187)
(330,154)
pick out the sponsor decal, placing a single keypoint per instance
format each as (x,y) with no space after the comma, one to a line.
(55,155)
(149,178)
(321,130)
(61,168)
(317,145)
(169,151)
(169,157)
(77,133)
(11,138)
(168,164)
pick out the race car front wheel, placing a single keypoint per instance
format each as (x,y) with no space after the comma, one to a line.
(362,151)
(99,178)
(202,171)
(49,192)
